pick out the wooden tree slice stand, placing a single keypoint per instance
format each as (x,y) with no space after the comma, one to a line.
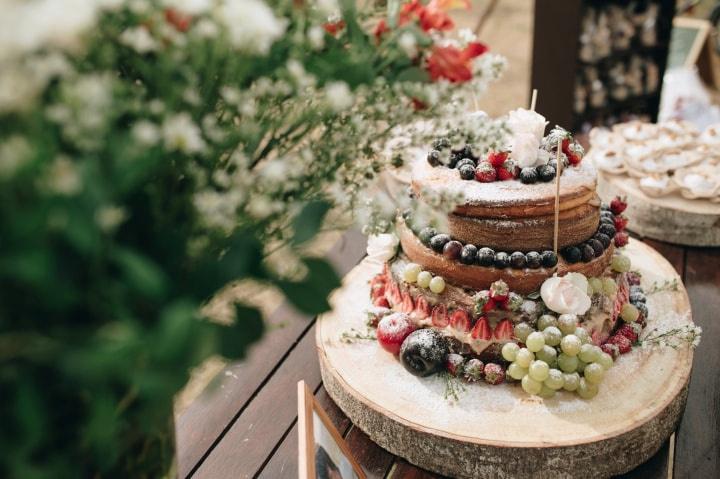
(499,431)
(671,218)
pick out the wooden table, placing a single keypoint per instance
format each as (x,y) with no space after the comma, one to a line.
(245,425)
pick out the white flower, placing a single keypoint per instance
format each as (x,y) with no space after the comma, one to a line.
(14,153)
(316,36)
(145,132)
(525,150)
(297,71)
(339,95)
(63,178)
(191,7)
(527,121)
(206,28)
(139,39)
(466,35)
(527,129)
(566,294)
(181,133)
(408,43)
(382,247)
(251,24)
(109,217)
(328,7)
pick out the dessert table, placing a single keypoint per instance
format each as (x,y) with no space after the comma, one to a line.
(245,423)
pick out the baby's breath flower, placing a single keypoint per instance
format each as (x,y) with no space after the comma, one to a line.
(180,133)
(139,39)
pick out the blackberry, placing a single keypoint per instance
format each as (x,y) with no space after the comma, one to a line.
(468,254)
(452,249)
(433,157)
(637,297)
(528,175)
(588,253)
(426,235)
(441,143)
(607,229)
(549,259)
(533,259)
(467,171)
(465,161)
(604,239)
(517,260)
(606,214)
(502,260)
(642,307)
(545,173)
(486,257)
(597,246)
(439,241)
(572,254)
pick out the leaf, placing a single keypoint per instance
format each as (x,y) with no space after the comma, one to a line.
(247,328)
(141,273)
(310,295)
(413,74)
(308,222)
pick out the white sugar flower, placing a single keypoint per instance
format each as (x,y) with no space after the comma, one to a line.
(139,39)
(181,133)
(251,24)
(527,129)
(566,294)
(316,36)
(145,132)
(382,247)
(339,95)
(408,44)
(524,149)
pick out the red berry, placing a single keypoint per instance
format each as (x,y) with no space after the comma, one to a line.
(574,158)
(611,349)
(454,364)
(439,316)
(621,297)
(494,373)
(408,305)
(481,330)
(499,291)
(485,173)
(382,302)
(504,175)
(620,223)
(422,308)
(392,331)
(393,293)
(497,158)
(460,320)
(618,205)
(623,344)
(621,239)
(629,332)
(633,278)
(565,145)
(503,330)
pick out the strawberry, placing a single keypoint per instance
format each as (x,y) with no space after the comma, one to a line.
(621,239)
(504,175)
(377,291)
(611,349)
(621,297)
(454,364)
(408,305)
(494,374)
(393,293)
(485,173)
(481,330)
(629,331)
(460,320)
(422,308)
(620,223)
(573,158)
(623,344)
(381,302)
(503,330)
(618,205)
(497,158)
(499,291)
(439,316)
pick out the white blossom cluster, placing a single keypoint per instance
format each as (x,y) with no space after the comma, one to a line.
(686,335)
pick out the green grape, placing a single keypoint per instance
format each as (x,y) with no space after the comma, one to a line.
(411,272)
(538,370)
(546,392)
(629,313)
(581,366)
(546,320)
(524,357)
(605,360)
(587,390)
(509,351)
(516,372)
(547,354)
(522,331)
(423,279)
(535,341)
(530,386)
(555,379)
(589,353)
(609,286)
(621,263)
(594,373)
(595,286)
(567,323)
(568,364)
(582,334)
(552,335)
(437,285)
(571,381)
(570,345)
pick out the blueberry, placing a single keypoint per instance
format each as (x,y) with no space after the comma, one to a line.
(452,249)
(441,143)
(433,158)
(468,254)
(426,235)
(604,220)
(588,253)
(486,257)
(597,246)
(603,239)
(502,260)
(517,260)
(528,175)
(607,229)
(606,214)
(454,158)
(466,152)
(423,352)
(546,173)
(438,242)
(467,172)
(533,259)
(465,161)
(638,297)
(549,259)
(572,254)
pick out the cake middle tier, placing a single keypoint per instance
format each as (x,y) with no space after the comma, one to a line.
(529,233)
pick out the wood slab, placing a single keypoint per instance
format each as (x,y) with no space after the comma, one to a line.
(671,218)
(500,431)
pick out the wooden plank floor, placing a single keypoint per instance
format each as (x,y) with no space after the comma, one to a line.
(246,426)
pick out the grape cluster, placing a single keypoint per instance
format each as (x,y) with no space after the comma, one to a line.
(558,355)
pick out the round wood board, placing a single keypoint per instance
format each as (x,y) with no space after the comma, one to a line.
(671,218)
(499,431)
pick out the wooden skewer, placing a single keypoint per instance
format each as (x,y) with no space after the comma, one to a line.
(557,197)
(533,100)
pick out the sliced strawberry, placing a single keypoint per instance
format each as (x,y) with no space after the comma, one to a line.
(460,320)
(497,158)
(503,330)
(393,293)
(481,330)
(377,291)
(422,308)
(621,297)
(439,316)
(408,305)
(381,302)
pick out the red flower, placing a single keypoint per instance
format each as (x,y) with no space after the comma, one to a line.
(334,27)
(181,21)
(452,63)
(430,17)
